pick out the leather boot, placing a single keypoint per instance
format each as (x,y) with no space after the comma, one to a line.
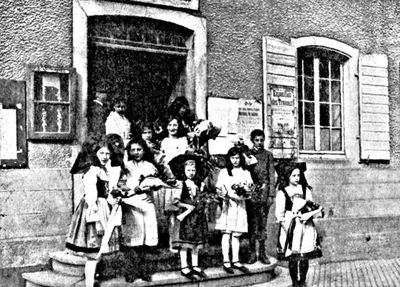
(262,254)
(253,254)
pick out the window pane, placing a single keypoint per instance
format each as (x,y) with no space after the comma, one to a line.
(324,116)
(52,118)
(309,88)
(323,68)
(336,140)
(336,116)
(324,90)
(325,139)
(309,139)
(335,69)
(308,66)
(301,146)
(300,87)
(309,114)
(300,113)
(335,91)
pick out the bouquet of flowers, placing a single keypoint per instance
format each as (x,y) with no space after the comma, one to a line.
(244,190)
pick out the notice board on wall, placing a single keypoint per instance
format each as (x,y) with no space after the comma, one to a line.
(283,117)
(249,117)
(13,151)
(237,118)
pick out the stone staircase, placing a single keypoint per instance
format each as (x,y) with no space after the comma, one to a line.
(68,270)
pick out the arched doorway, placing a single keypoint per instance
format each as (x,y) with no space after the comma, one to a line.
(138,59)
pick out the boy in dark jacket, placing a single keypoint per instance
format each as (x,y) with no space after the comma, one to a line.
(263,174)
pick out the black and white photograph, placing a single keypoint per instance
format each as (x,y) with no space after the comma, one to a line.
(199,143)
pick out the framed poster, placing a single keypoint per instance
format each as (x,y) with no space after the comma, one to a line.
(51,103)
(249,117)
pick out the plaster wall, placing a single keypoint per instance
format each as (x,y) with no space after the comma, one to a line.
(357,197)
(35,203)
(236,28)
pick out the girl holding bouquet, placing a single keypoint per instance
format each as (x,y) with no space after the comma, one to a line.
(139,224)
(297,240)
(234,186)
(192,226)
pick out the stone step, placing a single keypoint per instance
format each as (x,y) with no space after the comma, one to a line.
(260,273)
(217,277)
(66,263)
(52,279)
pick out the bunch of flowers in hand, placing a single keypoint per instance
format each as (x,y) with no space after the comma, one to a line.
(205,198)
(244,189)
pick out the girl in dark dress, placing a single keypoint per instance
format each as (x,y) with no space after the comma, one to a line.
(192,229)
(91,215)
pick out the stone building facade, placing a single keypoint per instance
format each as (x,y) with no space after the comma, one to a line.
(229,50)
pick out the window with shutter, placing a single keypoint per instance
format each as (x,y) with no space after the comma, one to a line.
(313,80)
(13,151)
(374,107)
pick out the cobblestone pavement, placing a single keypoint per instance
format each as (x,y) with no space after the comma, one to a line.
(362,273)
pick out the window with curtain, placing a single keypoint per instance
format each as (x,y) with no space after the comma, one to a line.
(320,100)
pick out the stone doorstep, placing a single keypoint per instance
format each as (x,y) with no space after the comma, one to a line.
(72,264)
(52,279)
(216,277)
(66,263)
(68,258)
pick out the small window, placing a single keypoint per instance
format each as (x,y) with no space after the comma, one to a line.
(51,103)
(320,100)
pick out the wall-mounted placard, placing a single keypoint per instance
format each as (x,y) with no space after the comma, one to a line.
(13,147)
(249,117)
(237,118)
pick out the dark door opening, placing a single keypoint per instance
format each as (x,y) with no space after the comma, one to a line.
(145,64)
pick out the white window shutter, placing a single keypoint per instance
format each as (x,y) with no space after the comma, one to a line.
(374,107)
(279,61)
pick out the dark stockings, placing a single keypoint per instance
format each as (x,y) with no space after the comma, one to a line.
(298,271)
(303,266)
(136,265)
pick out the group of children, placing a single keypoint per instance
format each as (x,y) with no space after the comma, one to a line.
(178,170)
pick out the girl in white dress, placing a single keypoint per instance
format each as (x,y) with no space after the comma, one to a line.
(139,224)
(233,219)
(174,144)
(297,240)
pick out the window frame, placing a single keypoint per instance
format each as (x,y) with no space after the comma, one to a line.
(317,55)
(350,103)
(34,71)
